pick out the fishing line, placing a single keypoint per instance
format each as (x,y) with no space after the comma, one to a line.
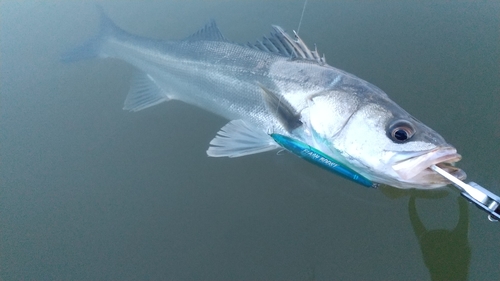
(301,16)
(298,30)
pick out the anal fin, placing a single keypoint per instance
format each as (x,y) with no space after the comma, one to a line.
(237,139)
(143,93)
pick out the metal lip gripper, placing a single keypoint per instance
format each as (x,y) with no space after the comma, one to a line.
(473,192)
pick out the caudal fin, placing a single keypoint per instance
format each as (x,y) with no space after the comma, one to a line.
(93,47)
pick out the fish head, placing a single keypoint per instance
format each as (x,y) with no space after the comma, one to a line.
(382,142)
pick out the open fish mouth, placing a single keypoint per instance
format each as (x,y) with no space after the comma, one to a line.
(417,169)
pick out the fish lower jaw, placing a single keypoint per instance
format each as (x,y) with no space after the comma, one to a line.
(447,166)
(412,167)
(451,169)
(429,179)
(416,172)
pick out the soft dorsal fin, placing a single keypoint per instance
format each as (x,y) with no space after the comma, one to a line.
(210,32)
(282,43)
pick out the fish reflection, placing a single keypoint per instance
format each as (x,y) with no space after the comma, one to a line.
(446,253)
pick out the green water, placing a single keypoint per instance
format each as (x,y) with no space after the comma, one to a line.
(91,192)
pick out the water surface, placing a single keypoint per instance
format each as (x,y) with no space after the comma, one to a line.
(91,192)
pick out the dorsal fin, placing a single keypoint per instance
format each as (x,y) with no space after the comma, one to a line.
(281,43)
(210,32)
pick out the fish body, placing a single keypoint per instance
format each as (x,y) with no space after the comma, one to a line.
(278,86)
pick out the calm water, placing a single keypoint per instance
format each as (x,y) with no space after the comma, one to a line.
(91,192)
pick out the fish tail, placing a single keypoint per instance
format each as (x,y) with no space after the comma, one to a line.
(93,47)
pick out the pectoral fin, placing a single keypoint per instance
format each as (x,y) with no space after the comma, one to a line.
(282,109)
(237,139)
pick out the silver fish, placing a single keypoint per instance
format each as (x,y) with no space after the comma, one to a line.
(278,85)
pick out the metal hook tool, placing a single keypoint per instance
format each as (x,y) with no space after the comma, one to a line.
(475,193)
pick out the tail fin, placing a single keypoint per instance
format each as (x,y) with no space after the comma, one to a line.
(93,46)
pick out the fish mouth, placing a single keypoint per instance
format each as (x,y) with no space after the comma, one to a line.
(417,169)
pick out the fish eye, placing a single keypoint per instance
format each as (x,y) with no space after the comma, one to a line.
(401,131)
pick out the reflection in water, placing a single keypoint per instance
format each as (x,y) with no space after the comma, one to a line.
(446,253)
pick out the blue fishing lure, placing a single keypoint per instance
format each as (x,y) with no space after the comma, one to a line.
(318,158)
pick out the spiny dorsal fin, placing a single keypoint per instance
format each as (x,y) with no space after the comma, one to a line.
(281,43)
(210,32)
